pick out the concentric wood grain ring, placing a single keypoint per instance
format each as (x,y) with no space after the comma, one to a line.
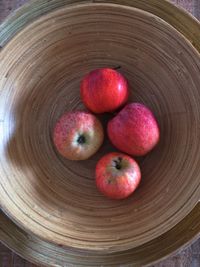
(178,18)
(40,252)
(56,199)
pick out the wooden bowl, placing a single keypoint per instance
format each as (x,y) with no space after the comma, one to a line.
(41,69)
(40,252)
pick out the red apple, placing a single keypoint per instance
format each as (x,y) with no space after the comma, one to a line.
(134,130)
(78,135)
(117,175)
(104,90)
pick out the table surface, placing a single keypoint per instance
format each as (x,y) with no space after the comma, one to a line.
(189,257)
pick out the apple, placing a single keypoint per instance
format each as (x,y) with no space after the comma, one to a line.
(104,90)
(78,135)
(117,175)
(134,130)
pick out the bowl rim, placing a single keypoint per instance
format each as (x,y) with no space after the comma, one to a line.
(34,9)
(11,234)
(18,15)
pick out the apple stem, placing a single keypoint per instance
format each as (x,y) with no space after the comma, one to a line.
(117,68)
(118,163)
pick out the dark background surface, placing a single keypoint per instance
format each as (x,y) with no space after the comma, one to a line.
(189,257)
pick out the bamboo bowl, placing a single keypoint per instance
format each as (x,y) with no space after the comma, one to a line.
(44,253)
(40,72)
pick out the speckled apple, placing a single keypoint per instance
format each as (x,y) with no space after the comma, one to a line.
(134,130)
(117,175)
(78,135)
(104,90)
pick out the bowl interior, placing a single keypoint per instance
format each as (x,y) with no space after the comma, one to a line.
(40,72)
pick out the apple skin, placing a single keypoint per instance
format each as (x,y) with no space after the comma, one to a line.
(78,135)
(117,175)
(134,130)
(104,90)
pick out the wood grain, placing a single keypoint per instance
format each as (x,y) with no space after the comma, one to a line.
(189,257)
